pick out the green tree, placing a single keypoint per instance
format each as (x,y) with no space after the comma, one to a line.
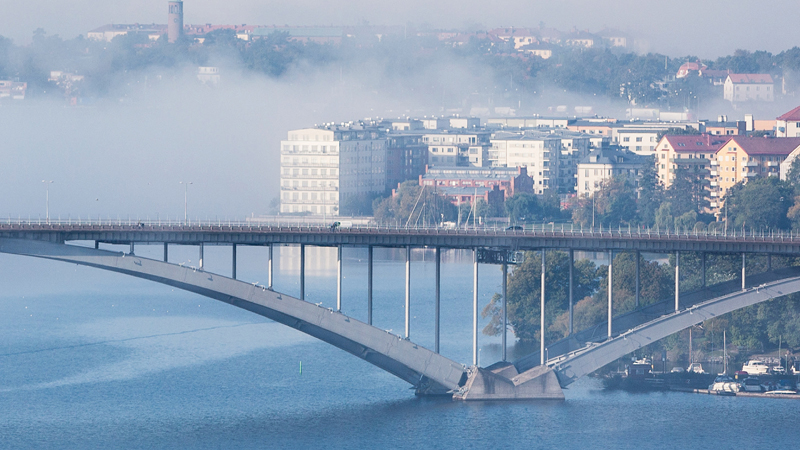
(762,202)
(413,205)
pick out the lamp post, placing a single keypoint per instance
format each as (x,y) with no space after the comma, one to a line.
(47,199)
(185,202)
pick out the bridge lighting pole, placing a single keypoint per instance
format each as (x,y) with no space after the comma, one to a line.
(269,269)
(437,300)
(475,307)
(47,199)
(339,278)
(369,285)
(571,294)
(541,315)
(302,271)
(677,281)
(185,201)
(505,308)
(610,289)
(408,292)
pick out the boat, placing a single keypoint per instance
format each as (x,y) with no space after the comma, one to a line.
(724,385)
(755,367)
(696,368)
(752,385)
(782,392)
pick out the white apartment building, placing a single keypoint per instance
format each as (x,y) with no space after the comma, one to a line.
(743,87)
(602,165)
(539,154)
(457,148)
(321,167)
(641,142)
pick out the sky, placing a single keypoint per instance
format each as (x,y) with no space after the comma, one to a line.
(677,27)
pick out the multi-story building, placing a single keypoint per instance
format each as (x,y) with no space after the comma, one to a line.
(744,158)
(456,147)
(538,153)
(743,87)
(406,156)
(686,151)
(788,125)
(455,181)
(325,166)
(603,164)
(640,141)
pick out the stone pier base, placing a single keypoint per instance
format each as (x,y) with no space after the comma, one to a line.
(502,382)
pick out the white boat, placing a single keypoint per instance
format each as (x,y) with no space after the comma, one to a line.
(695,368)
(755,367)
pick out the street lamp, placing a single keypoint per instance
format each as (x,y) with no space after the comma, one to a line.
(185,203)
(47,199)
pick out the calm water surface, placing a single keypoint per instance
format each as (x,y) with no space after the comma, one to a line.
(135,365)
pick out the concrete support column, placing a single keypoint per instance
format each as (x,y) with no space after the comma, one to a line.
(166,252)
(233,261)
(744,277)
(703,268)
(269,268)
(638,278)
(571,294)
(610,289)
(541,314)
(339,278)
(200,255)
(677,281)
(97,245)
(474,306)
(369,285)
(437,299)
(505,310)
(302,271)
(131,251)
(408,292)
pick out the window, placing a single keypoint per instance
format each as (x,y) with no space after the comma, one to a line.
(626,139)
(639,139)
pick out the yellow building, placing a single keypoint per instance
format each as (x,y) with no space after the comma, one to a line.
(685,151)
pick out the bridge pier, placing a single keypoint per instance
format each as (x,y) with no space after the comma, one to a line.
(166,252)
(743,271)
(131,250)
(541,315)
(200,256)
(302,271)
(571,267)
(638,278)
(233,261)
(269,268)
(474,306)
(437,301)
(408,292)
(339,278)
(610,289)
(703,267)
(96,245)
(677,281)
(369,285)
(505,309)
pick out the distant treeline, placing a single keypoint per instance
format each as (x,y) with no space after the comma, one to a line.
(396,63)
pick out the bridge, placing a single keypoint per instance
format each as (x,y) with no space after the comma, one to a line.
(559,364)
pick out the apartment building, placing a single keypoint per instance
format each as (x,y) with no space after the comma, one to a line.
(604,164)
(538,153)
(742,159)
(788,125)
(743,87)
(457,147)
(321,167)
(685,151)
(462,184)
(640,141)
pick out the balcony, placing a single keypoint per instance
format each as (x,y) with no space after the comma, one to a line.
(752,164)
(714,194)
(714,173)
(714,184)
(750,175)
(714,162)
(713,204)
(773,164)
(687,161)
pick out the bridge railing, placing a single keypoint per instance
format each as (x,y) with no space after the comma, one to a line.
(543,229)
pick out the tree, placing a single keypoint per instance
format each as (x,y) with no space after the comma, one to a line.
(414,205)
(614,203)
(762,202)
(650,195)
(688,191)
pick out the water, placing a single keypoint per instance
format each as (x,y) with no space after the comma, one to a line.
(90,359)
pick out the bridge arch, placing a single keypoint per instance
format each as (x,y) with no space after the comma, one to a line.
(586,360)
(430,373)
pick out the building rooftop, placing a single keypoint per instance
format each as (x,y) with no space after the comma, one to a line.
(750,78)
(696,143)
(767,145)
(793,115)
(614,154)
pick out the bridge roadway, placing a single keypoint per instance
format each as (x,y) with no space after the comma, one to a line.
(547,237)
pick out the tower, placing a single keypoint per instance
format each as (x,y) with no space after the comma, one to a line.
(175,20)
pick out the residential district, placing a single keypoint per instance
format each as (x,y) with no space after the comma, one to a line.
(328,169)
